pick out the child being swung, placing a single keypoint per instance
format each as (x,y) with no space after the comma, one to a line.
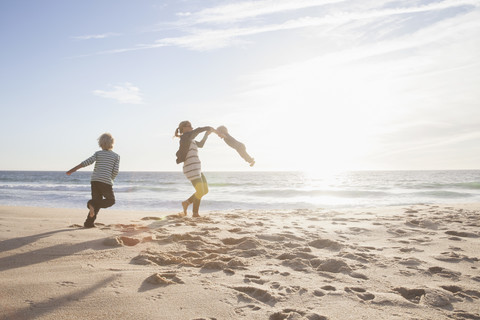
(106,169)
(222,132)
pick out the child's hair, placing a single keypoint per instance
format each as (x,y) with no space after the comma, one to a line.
(106,141)
(179,130)
(222,129)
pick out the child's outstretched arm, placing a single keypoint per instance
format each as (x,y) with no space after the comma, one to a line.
(202,142)
(69,172)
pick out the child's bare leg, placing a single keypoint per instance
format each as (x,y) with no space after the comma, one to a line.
(92,210)
(185,205)
(242,151)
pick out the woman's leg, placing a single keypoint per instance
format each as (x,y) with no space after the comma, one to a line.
(201,189)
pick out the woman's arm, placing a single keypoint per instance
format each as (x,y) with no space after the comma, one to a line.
(185,140)
(199,130)
(195,132)
(204,139)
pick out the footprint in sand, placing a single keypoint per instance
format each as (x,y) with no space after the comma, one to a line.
(318,293)
(253,278)
(270,272)
(283,290)
(355,289)
(454,257)
(412,295)
(121,241)
(66,284)
(460,314)
(329,288)
(444,272)
(295,314)
(422,223)
(241,310)
(438,298)
(468,294)
(397,232)
(429,297)
(165,278)
(359,256)
(462,234)
(421,240)
(410,262)
(257,294)
(366,296)
(326,244)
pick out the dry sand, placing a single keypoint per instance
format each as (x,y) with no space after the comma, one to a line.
(415,262)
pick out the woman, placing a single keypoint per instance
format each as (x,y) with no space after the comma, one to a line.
(192,167)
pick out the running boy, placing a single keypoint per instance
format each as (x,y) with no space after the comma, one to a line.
(106,169)
(222,132)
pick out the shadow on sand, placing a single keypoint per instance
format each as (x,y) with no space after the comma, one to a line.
(15,243)
(51,304)
(43,254)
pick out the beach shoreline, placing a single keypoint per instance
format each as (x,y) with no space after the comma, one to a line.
(402,262)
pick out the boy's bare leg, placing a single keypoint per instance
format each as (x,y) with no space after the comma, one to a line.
(92,210)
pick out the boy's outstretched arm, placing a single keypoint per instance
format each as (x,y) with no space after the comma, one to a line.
(69,172)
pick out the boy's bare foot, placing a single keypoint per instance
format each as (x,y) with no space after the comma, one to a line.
(185,205)
(92,211)
(252,163)
(196,215)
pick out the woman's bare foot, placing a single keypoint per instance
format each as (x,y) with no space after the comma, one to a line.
(185,205)
(92,211)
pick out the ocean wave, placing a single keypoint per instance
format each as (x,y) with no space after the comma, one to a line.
(468,185)
(290,193)
(245,190)
(43,187)
(441,186)
(83,188)
(440,194)
(141,189)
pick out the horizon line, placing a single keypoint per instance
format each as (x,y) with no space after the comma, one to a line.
(253,171)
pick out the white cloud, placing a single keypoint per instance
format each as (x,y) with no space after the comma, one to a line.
(210,39)
(184,14)
(126,93)
(96,36)
(204,38)
(250,9)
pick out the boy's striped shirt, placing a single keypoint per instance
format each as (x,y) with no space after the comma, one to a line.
(106,168)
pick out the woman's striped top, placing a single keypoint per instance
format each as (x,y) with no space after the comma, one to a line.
(106,168)
(192,167)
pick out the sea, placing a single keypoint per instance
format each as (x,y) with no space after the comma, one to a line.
(164,191)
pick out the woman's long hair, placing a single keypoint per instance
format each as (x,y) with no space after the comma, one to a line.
(179,130)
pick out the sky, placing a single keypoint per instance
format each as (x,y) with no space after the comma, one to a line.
(312,85)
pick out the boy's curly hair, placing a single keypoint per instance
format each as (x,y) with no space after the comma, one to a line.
(106,141)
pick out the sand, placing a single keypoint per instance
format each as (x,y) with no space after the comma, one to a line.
(411,262)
